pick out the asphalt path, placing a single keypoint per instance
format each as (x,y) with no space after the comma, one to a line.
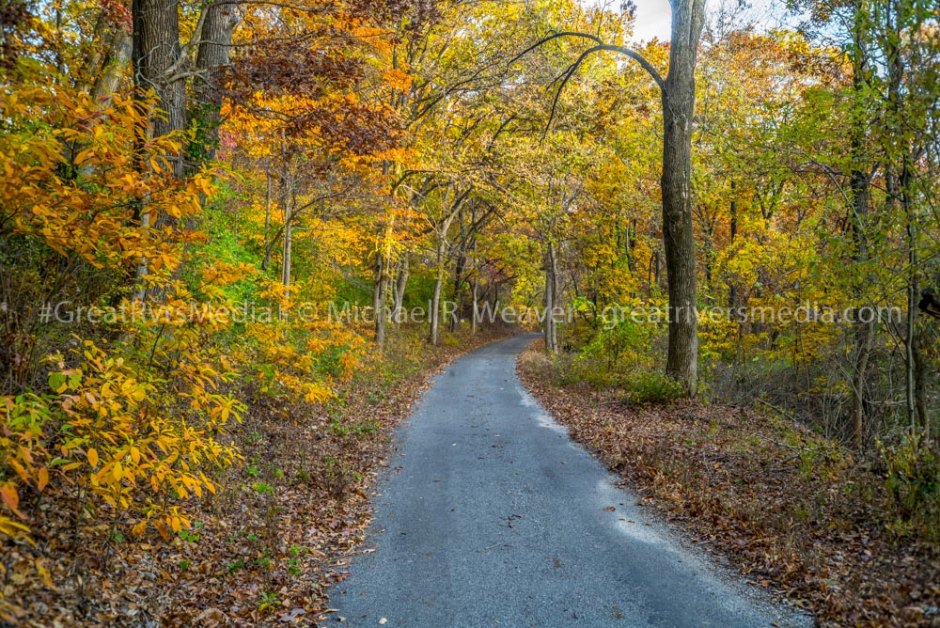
(489,515)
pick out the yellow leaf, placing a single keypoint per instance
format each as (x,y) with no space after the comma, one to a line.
(43,479)
(20,470)
(11,498)
(44,574)
(84,155)
(15,529)
(139,528)
(93,457)
(162,529)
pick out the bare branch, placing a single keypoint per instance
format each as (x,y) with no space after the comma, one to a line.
(566,76)
(600,45)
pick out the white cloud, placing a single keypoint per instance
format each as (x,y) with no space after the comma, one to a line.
(653,18)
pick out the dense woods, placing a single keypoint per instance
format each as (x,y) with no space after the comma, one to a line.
(224,221)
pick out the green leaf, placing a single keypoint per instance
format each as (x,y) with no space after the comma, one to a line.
(57,382)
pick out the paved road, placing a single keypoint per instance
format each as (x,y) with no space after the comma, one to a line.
(490,516)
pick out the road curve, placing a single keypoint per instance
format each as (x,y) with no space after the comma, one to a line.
(489,515)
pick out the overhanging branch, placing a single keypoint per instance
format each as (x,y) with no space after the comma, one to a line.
(599,46)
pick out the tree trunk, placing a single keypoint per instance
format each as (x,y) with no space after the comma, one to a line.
(267,210)
(474,296)
(708,232)
(916,378)
(156,55)
(678,109)
(287,243)
(401,282)
(631,245)
(216,37)
(864,334)
(109,67)
(652,277)
(271,241)
(860,187)
(434,337)
(551,298)
(286,253)
(442,230)
(458,284)
(109,76)
(733,288)
(378,299)
(920,384)
(864,329)
(915,375)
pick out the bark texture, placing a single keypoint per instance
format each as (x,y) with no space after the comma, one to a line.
(158,64)
(214,42)
(378,298)
(678,109)
(551,294)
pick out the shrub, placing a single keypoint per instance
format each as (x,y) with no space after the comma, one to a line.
(652,387)
(912,482)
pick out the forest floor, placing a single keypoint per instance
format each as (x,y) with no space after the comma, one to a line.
(261,551)
(792,511)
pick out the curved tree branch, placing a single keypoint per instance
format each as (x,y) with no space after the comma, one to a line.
(570,71)
(565,77)
(600,45)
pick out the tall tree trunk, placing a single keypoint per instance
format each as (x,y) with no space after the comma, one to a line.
(267,209)
(678,108)
(108,66)
(910,341)
(103,36)
(459,267)
(551,299)
(474,297)
(216,38)
(156,55)
(401,282)
(864,335)
(652,278)
(864,325)
(286,253)
(108,77)
(901,188)
(442,229)
(435,334)
(630,245)
(270,242)
(286,263)
(859,184)
(920,384)
(733,288)
(290,202)
(708,231)
(378,298)
(916,375)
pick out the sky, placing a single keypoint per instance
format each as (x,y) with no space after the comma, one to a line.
(652,19)
(653,16)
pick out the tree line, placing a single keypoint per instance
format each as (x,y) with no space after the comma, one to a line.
(394,152)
